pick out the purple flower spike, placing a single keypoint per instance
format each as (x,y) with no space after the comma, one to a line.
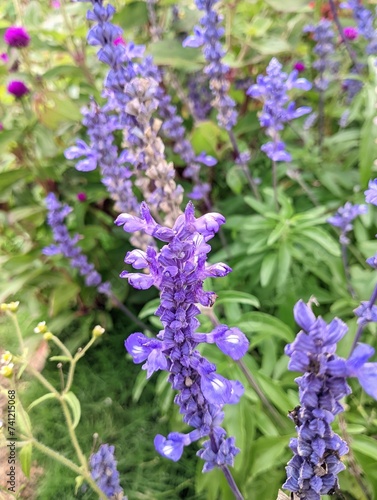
(178,271)
(313,470)
(344,217)
(16,36)
(104,471)
(272,90)
(67,245)
(371,192)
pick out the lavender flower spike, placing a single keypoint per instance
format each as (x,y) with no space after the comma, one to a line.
(104,471)
(208,36)
(313,470)
(371,192)
(178,271)
(67,245)
(344,217)
(272,90)
(324,35)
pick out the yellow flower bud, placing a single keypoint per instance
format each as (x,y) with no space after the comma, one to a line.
(7,370)
(98,331)
(13,306)
(48,336)
(41,327)
(6,358)
(4,307)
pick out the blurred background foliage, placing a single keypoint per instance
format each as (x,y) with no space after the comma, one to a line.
(277,258)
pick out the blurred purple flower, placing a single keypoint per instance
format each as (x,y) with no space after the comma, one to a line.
(81,196)
(371,192)
(16,36)
(104,471)
(299,66)
(17,88)
(350,32)
(4,57)
(344,217)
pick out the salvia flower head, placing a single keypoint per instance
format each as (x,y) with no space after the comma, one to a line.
(371,192)
(16,36)
(272,90)
(324,49)
(313,470)
(67,245)
(208,36)
(104,471)
(344,217)
(178,271)
(17,88)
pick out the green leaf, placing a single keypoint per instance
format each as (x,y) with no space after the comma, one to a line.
(272,45)
(266,453)
(75,406)
(139,384)
(276,233)
(43,398)
(234,296)
(171,53)
(323,239)
(149,309)
(265,323)
(25,458)
(235,179)
(133,15)
(7,179)
(60,358)
(62,296)
(367,151)
(365,445)
(256,205)
(284,264)
(288,5)
(267,268)
(205,137)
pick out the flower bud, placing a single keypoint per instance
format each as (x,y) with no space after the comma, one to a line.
(41,327)
(98,331)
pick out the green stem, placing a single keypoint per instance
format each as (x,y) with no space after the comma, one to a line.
(14,318)
(74,361)
(61,346)
(70,465)
(72,434)
(43,381)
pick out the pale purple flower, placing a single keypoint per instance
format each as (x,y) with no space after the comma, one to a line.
(371,192)
(66,245)
(103,469)
(344,217)
(272,90)
(313,470)
(178,271)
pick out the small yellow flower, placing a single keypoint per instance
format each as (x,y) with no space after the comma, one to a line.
(98,331)
(48,336)
(7,370)
(13,306)
(4,307)
(6,358)
(41,327)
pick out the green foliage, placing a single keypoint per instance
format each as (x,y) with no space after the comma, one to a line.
(278,255)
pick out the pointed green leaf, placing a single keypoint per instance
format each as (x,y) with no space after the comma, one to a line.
(75,406)
(268,268)
(25,458)
(43,398)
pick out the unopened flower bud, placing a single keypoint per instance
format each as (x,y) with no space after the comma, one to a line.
(7,370)
(98,331)
(48,336)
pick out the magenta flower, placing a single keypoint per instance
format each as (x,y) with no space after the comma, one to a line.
(350,32)
(16,36)
(17,88)
(119,41)
(1,127)
(299,66)
(4,57)
(81,196)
